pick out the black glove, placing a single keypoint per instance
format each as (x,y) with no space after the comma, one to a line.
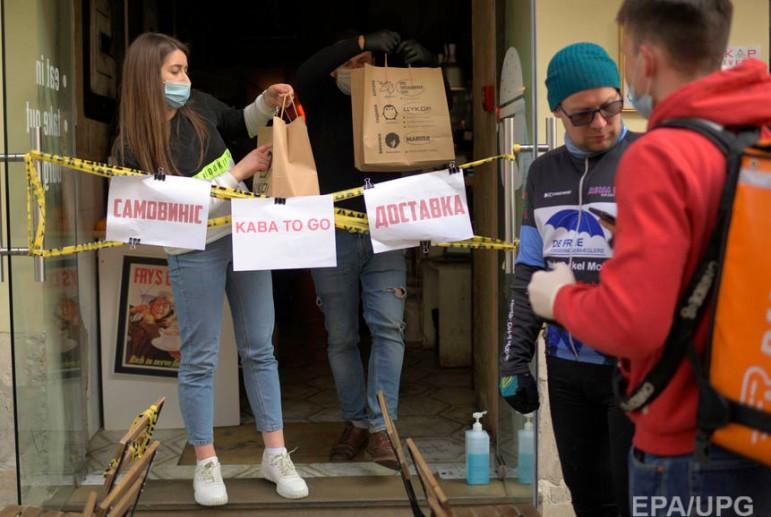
(521,392)
(413,53)
(382,41)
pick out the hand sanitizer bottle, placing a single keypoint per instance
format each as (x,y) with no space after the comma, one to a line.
(477,453)
(526,455)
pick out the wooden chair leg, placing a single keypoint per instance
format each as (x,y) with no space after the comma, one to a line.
(88,510)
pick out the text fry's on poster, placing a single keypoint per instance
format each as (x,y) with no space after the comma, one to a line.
(299,233)
(172,213)
(425,207)
(148,333)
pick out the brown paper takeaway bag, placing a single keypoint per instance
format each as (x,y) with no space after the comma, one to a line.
(293,170)
(262,182)
(400,119)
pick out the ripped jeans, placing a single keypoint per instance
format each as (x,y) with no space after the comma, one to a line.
(382,278)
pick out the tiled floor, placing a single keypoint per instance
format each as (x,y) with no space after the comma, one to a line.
(435,409)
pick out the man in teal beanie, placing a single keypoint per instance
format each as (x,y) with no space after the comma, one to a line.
(593,435)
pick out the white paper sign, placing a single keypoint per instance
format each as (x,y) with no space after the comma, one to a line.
(296,235)
(172,213)
(425,207)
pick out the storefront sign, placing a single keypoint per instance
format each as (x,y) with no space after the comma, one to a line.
(173,212)
(425,207)
(299,233)
(735,55)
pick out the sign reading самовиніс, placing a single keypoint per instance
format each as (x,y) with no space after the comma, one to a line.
(172,213)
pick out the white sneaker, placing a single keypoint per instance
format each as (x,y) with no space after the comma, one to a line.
(208,487)
(280,469)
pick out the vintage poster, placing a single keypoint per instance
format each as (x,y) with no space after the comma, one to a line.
(65,326)
(148,334)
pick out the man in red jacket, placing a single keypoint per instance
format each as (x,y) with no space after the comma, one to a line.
(668,187)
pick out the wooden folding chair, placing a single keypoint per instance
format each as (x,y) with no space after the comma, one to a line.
(134,455)
(396,445)
(120,500)
(136,439)
(124,494)
(435,496)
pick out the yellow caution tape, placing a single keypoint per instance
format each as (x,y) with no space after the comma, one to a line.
(481,243)
(350,213)
(348,220)
(137,448)
(488,160)
(348,194)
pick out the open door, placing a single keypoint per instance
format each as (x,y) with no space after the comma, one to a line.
(41,310)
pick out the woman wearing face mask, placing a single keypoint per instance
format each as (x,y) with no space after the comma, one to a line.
(166,127)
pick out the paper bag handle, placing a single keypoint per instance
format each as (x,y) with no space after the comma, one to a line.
(385,65)
(283,106)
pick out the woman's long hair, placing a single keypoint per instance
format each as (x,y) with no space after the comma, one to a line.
(144,129)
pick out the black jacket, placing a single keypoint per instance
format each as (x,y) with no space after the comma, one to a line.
(557,227)
(328,116)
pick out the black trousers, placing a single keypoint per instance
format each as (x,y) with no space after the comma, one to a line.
(593,437)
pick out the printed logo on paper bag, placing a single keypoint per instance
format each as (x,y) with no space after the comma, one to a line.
(386,87)
(410,89)
(392,140)
(389,112)
(403,88)
(417,139)
(416,109)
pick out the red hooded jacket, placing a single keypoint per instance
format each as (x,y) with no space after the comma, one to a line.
(668,188)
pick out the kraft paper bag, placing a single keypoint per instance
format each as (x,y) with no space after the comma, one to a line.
(261,182)
(293,169)
(401,120)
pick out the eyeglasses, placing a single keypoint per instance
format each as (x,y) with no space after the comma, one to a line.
(584,118)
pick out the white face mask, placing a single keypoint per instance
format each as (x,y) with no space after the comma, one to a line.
(344,80)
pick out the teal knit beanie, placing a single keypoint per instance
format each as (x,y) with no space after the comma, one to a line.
(578,67)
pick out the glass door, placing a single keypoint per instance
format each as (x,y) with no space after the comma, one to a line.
(41,309)
(516,124)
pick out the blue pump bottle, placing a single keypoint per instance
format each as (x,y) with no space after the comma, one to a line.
(477,453)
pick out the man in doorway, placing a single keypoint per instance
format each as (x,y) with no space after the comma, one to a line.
(668,190)
(563,186)
(323,84)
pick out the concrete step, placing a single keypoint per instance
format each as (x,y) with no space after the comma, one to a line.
(342,496)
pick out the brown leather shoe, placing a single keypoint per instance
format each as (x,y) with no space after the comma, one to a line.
(379,448)
(349,444)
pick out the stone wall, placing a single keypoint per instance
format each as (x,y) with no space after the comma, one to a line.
(553,494)
(7,442)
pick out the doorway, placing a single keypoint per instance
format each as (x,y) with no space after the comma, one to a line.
(237,50)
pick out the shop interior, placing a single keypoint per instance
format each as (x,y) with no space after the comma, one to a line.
(234,57)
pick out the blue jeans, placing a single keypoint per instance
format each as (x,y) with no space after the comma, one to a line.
(728,485)
(382,278)
(200,280)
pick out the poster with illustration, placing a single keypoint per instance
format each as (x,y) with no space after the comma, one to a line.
(64,324)
(148,333)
